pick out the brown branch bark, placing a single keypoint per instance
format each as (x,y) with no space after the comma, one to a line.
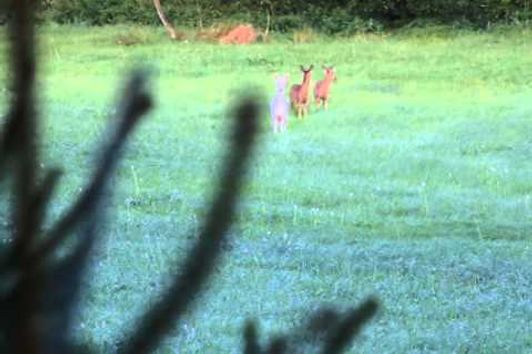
(166,23)
(269,15)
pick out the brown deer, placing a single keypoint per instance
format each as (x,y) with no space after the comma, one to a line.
(299,93)
(323,87)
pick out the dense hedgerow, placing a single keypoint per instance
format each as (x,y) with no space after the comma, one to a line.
(332,17)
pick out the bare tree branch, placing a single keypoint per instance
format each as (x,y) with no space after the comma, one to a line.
(201,260)
(63,287)
(251,340)
(350,326)
(269,14)
(166,23)
(135,103)
(19,145)
(21,119)
(37,213)
(278,346)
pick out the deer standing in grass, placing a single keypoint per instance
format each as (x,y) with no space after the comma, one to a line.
(323,87)
(279,106)
(299,93)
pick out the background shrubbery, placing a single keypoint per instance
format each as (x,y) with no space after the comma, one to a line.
(329,16)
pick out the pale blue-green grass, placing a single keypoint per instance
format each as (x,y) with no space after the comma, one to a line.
(415,186)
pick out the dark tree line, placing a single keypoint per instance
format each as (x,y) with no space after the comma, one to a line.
(330,16)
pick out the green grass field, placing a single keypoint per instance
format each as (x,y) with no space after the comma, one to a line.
(415,186)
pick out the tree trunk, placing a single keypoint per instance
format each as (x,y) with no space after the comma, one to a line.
(269,14)
(167,25)
(268,22)
(200,15)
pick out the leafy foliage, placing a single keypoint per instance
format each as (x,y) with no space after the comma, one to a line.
(333,17)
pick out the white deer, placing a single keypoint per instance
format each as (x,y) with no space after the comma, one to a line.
(279,106)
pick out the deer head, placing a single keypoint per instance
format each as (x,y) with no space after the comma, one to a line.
(281,81)
(330,72)
(307,73)
(306,70)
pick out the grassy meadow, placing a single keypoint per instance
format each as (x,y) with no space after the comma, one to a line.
(415,186)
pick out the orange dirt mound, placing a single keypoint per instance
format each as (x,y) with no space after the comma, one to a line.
(241,34)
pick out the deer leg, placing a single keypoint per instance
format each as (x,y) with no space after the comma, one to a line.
(318,103)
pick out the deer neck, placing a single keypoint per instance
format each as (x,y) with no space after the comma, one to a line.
(328,80)
(305,84)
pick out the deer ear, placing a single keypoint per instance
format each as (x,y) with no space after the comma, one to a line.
(311,67)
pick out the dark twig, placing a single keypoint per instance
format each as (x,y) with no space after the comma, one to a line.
(350,326)
(19,149)
(68,273)
(134,105)
(327,331)
(64,282)
(59,286)
(278,346)
(21,124)
(20,130)
(45,191)
(202,258)
(7,136)
(251,340)
(37,210)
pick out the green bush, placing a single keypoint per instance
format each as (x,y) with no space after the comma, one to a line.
(286,23)
(340,21)
(332,17)
(99,12)
(477,12)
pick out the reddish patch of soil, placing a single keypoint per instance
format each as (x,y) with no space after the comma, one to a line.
(241,34)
